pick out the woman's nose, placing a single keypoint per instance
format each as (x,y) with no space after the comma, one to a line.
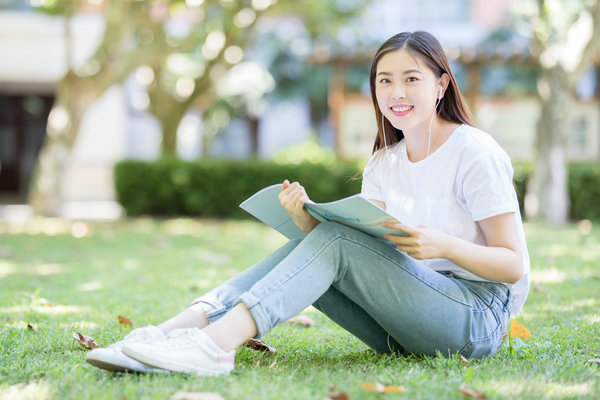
(398,92)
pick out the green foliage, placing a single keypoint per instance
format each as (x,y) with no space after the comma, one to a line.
(215,188)
(584,188)
(309,151)
(522,172)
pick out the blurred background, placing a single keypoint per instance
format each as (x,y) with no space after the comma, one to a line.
(85,84)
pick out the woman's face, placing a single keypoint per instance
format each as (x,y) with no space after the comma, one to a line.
(406,90)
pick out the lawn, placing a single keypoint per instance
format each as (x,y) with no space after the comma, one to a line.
(57,277)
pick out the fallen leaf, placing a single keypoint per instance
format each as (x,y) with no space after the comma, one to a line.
(125,321)
(463,359)
(259,345)
(593,361)
(475,394)
(518,330)
(380,388)
(341,395)
(304,320)
(196,396)
(338,396)
(85,341)
(31,328)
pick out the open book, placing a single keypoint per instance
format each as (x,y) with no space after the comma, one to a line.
(354,211)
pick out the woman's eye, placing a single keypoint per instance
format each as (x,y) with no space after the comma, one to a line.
(384,80)
(411,79)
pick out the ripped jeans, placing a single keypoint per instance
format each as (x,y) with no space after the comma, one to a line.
(386,299)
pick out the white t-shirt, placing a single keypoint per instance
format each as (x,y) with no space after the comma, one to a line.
(467,179)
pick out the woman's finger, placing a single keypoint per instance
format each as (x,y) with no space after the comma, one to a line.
(399,226)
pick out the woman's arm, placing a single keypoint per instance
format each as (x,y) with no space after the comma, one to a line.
(500,260)
(292,198)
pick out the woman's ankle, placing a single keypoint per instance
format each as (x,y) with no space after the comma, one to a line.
(192,317)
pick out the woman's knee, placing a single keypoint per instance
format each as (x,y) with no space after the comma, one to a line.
(329,229)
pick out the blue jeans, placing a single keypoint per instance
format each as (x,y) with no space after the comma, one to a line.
(380,295)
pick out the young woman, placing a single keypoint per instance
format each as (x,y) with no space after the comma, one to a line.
(448,286)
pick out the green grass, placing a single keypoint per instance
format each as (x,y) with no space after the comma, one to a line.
(148,270)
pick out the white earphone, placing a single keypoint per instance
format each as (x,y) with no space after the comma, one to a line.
(439,99)
(383,131)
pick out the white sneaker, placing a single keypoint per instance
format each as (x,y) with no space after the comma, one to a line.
(184,350)
(112,358)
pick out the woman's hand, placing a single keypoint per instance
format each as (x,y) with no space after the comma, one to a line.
(500,259)
(421,243)
(292,198)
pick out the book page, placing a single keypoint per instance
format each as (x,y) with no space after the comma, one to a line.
(354,211)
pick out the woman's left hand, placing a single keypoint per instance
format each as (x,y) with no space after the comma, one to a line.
(422,242)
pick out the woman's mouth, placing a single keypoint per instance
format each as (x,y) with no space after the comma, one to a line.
(401,110)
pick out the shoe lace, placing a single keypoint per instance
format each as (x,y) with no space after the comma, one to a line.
(138,335)
(182,338)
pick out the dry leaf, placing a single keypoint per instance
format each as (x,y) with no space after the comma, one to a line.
(593,361)
(475,394)
(85,341)
(341,395)
(379,388)
(518,330)
(31,328)
(304,320)
(463,359)
(338,396)
(259,345)
(196,396)
(125,321)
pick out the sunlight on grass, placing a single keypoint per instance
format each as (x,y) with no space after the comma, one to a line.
(6,268)
(131,264)
(90,286)
(561,391)
(30,391)
(9,268)
(213,258)
(591,253)
(560,249)
(182,226)
(80,325)
(547,276)
(53,310)
(551,390)
(47,269)
(570,307)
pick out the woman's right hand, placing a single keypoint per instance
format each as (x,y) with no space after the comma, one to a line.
(292,198)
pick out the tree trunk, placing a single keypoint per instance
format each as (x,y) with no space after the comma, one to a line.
(547,198)
(73,96)
(169,135)
(253,125)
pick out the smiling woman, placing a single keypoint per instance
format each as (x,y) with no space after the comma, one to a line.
(447,282)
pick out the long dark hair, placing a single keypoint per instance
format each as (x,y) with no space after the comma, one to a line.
(427,48)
